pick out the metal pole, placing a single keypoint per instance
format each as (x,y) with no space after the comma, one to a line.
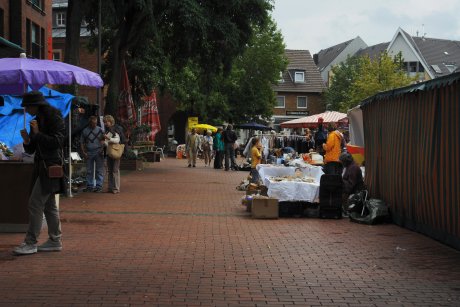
(69,192)
(99,44)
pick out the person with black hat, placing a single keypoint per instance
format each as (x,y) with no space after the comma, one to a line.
(45,139)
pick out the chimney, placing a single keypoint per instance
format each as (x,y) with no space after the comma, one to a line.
(315,58)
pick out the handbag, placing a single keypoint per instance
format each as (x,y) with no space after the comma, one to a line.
(53,171)
(115,150)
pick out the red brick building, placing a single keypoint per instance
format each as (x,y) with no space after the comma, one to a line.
(300,88)
(87,60)
(27,23)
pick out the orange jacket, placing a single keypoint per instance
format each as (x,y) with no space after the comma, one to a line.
(333,147)
(256,156)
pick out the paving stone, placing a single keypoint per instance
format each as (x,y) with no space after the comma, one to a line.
(176,236)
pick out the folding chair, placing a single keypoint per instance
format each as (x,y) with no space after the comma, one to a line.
(160,150)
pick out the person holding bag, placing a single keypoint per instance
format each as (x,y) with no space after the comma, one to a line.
(111,137)
(45,139)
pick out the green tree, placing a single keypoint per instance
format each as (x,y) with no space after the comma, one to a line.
(245,93)
(343,76)
(381,74)
(250,85)
(210,33)
(361,77)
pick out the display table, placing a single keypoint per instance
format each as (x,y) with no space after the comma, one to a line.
(15,187)
(293,190)
(267,170)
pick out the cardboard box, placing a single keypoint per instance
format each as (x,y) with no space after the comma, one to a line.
(252,192)
(264,208)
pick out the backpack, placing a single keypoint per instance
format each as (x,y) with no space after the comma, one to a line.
(119,129)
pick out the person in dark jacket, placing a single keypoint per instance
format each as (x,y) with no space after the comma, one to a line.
(45,139)
(230,137)
(320,136)
(352,177)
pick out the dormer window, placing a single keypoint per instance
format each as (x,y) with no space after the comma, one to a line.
(299,77)
(60,19)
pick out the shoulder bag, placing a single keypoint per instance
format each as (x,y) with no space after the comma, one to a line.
(115,150)
(53,171)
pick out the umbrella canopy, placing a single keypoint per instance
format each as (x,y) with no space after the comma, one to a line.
(12,116)
(309,121)
(18,73)
(253,126)
(204,127)
(150,115)
(15,73)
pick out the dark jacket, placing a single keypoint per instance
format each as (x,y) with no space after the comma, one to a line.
(47,146)
(352,179)
(229,136)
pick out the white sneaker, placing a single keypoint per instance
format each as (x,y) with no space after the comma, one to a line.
(25,249)
(50,246)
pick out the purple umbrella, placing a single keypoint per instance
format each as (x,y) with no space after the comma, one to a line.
(17,73)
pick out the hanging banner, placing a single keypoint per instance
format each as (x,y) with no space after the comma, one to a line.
(150,115)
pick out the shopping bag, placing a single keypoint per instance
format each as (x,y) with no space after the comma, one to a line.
(115,151)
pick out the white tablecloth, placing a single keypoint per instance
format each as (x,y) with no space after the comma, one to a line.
(267,170)
(291,190)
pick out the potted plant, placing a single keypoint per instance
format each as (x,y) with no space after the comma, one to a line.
(130,161)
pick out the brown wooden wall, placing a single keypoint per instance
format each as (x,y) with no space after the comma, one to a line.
(412,157)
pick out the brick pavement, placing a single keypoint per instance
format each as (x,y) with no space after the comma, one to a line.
(176,236)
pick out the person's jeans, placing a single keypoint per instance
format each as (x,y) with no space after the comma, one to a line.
(229,156)
(255,177)
(98,159)
(40,203)
(218,159)
(113,174)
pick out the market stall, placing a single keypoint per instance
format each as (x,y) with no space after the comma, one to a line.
(17,75)
(292,183)
(312,121)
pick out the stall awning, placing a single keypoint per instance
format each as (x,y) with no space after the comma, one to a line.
(9,49)
(305,122)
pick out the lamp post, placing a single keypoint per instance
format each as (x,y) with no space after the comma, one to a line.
(99,30)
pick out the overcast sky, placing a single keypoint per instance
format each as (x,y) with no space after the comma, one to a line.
(316,25)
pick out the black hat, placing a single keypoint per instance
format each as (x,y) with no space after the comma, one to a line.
(34,98)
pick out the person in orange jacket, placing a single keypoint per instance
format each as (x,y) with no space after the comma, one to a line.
(333,149)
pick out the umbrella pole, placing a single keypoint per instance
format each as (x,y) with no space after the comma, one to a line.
(69,192)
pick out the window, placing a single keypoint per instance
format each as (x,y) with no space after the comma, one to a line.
(60,19)
(57,55)
(299,77)
(451,67)
(280,102)
(35,40)
(37,5)
(301,102)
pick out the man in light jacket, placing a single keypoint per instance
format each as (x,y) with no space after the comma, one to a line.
(191,147)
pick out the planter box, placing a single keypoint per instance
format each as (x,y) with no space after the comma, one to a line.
(150,156)
(131,165)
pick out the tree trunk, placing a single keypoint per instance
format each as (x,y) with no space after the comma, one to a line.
(72,42)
